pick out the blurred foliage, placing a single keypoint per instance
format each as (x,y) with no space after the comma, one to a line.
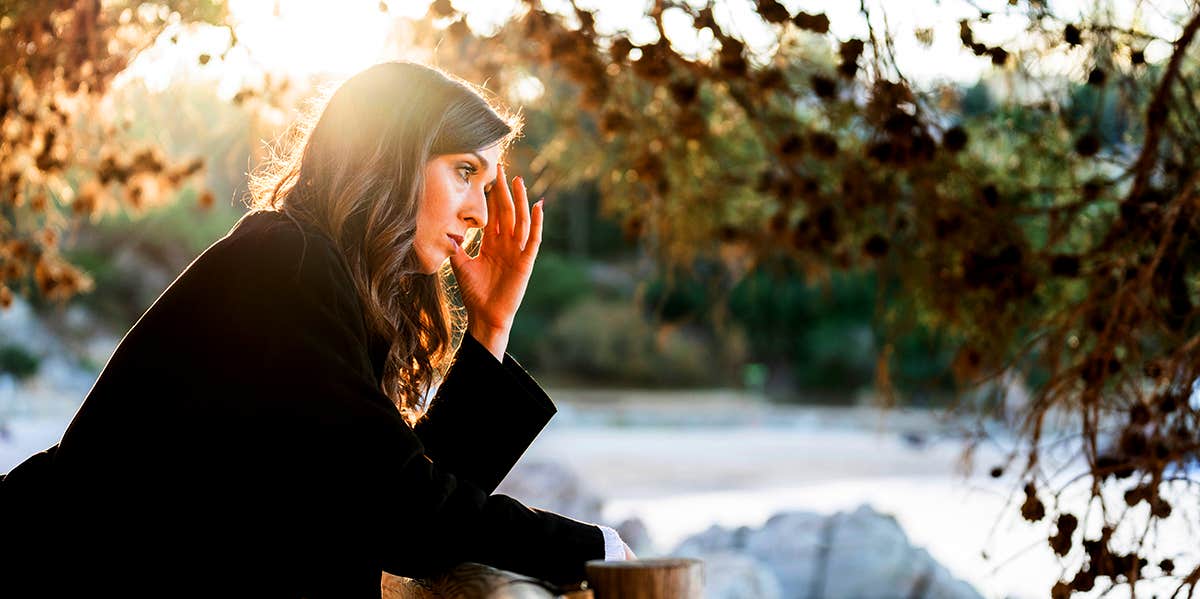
(826,334)
(18,362)
(556,285)
(822,338)
(61,151)
(620,347)
(131,255)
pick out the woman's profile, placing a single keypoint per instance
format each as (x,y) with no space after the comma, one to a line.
(262,430)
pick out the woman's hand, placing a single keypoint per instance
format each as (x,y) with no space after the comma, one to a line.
(494,282)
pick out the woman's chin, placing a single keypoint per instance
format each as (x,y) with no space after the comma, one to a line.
(426,264)
(433,269)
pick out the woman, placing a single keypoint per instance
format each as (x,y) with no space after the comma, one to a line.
(261,431)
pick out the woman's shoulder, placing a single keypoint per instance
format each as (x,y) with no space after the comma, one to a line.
(266,259)
(274,246)
(273,229)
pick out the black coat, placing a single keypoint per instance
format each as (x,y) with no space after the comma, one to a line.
(237,442)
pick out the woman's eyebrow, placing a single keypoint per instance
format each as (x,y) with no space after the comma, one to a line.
(483,161)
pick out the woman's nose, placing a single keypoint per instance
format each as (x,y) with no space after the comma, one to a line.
(475,211)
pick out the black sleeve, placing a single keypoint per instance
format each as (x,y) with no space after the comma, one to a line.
(363,460)
(484,416)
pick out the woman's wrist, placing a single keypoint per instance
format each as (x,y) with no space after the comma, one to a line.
(493,338)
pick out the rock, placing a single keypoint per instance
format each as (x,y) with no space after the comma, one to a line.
(715,539)
(845,555)
(553,487)
(869,555)
(635,534)
(791,544)
(738,576)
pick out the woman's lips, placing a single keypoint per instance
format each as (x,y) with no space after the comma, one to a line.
(458,240)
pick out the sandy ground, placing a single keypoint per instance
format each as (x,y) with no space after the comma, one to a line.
(684,461)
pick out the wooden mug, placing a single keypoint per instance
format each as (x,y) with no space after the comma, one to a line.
(656,578)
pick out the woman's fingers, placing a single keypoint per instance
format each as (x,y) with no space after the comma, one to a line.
(521,204)
(507,213)
(535,229)
(493,210)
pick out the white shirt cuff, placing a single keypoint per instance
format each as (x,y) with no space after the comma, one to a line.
(614,547)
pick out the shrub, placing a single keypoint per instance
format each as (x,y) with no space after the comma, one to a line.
(557,283)
(18,362)
(611,343)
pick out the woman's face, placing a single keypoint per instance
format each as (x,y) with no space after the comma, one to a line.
(455,199)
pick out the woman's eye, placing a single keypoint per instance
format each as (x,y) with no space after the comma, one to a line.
(465,172)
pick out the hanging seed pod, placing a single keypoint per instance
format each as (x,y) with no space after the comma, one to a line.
(1167,403)
(655,64)
(850,51)
(824,87)
(1032,510)
(732,63)
(619,50)
(771,79)
(1167,565)
(1160,508)
(999,56)
(1060,542)
(1133,443)
(613,122)
(1064,265)
(1084,580)
(791,146)
(1139,414)
(684,91)
(818,23)
(1087,145)
(772,11)
(955,139)
(876,246)
(823,144)
(990,196)
(1072,35)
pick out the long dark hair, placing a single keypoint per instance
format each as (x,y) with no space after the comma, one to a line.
(356,175)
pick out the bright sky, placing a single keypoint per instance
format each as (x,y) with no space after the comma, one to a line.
(304,37)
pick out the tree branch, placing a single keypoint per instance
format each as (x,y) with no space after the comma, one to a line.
(1156,113)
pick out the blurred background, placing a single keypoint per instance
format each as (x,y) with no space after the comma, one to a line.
(809,268)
